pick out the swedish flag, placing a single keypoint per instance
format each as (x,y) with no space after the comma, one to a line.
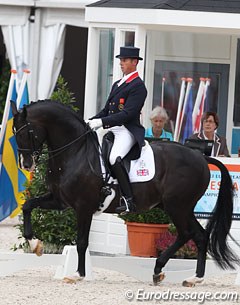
(12,178)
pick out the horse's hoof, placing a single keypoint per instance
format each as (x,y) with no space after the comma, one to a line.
(72,279)
(188,284)
(192,281)
(39,248)
(158,278)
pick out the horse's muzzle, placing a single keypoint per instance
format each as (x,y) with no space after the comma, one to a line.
(27,162)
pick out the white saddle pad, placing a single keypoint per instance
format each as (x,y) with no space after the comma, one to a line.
(142,169)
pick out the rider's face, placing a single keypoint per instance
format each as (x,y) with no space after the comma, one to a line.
(128,65)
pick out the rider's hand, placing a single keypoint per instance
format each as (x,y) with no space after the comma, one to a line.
(95,123)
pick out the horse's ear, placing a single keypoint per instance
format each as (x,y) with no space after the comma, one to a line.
(14,108)
(24,111)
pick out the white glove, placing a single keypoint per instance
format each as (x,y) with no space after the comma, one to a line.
(95,124)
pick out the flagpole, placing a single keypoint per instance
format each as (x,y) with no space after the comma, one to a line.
(207,84)
(22,86)
(181,97)
(189,84)
(7,105)
(198,100)
(162,96)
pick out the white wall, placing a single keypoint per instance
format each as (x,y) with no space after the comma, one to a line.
(193,45)
(108,234)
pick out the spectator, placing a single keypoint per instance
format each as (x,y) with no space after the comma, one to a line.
(210,123)
(158,118)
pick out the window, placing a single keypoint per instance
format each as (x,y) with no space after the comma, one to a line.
(173,71)
(129,38)
(105,66)
(236,114)
(236,111)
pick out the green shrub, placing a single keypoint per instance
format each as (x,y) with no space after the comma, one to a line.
(155,215)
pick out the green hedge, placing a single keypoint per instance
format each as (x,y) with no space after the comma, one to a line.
(55,228)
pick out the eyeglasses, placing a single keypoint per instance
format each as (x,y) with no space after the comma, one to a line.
(209,121)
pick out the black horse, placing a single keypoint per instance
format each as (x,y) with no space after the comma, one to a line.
(75,180)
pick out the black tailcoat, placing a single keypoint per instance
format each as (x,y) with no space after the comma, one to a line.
(123,107)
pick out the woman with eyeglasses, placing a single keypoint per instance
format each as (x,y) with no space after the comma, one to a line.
(210,123)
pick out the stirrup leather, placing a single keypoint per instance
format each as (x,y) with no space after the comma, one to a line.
(126,204)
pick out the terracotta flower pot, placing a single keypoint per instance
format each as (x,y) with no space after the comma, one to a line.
(142,236)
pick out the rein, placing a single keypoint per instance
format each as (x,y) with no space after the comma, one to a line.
(62,148)
(35,152)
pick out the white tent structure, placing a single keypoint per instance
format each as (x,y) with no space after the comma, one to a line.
(34,35)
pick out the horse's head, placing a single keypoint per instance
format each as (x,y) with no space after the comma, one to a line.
(29,137)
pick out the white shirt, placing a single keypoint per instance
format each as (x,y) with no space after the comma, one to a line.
(214,140)
(125,77)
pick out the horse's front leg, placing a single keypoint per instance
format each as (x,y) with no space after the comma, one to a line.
(200,237)
(44,202)
(83,227)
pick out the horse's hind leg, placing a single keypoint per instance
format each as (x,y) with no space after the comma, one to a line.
(188,229)
(200,237)
(165,256)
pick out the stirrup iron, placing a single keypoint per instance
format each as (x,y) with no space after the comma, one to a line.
(126,204)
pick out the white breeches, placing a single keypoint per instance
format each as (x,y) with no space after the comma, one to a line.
(123,142)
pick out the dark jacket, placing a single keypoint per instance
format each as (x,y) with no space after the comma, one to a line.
(219,146)
(123,107)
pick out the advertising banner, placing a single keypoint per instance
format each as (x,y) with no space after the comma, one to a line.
(206,204)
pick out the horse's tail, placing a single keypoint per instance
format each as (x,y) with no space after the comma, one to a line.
(219,224)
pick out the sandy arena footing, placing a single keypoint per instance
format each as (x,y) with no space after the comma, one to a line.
(37,286)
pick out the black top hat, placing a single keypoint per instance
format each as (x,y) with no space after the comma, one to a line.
(129,52)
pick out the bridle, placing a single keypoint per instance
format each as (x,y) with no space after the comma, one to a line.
(34,151)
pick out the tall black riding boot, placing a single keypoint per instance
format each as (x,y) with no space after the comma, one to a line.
(123,179)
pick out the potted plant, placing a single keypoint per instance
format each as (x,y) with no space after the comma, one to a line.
(143,230)
(166,239)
